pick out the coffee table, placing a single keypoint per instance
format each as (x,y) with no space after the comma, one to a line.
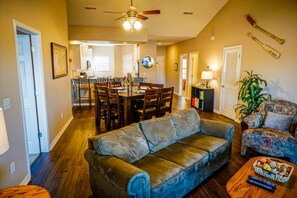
(237,187)
(25,191)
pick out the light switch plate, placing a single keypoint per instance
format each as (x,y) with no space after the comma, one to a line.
(6,103)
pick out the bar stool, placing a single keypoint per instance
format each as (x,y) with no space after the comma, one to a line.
(84,92)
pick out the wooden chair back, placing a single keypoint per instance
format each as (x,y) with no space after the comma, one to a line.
(100,84)
(150,103)
(115,84)
(114,105)
(165,104)
(156,86)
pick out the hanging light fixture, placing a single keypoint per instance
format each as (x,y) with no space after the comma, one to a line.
(132,23)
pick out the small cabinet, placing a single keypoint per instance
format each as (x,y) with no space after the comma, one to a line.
(202,98)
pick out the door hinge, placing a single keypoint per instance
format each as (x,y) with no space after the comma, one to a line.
(35,93)
(39,134)
(32,49)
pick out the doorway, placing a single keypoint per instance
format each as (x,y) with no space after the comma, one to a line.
(160,70)
(183,75)
(230,75)
(32,90)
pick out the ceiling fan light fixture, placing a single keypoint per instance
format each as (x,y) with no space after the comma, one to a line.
(137,25)
(127,25)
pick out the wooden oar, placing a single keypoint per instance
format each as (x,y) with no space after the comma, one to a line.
(253,23)
(273,52)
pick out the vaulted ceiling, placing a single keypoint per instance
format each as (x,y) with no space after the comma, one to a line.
(171,26)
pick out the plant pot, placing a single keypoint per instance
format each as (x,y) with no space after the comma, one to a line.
(244,126)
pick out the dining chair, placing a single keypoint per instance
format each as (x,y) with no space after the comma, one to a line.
(144,85)
(115,107)
(103,106)
(84,91)
(150,104)
(165,104)
(98,84)
(115,84)
(156,86)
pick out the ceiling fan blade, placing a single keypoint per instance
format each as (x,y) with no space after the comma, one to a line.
(141,17)
(151,12)
(120,18)
(110,12)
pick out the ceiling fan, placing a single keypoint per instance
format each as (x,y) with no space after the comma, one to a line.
(132,17)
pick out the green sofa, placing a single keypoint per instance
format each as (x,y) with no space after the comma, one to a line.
(163,157)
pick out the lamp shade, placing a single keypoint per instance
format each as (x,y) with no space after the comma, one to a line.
(206,75)
(4,145)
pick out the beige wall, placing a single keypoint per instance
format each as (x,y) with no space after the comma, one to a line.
(50,18)
(230,28)
(148,49)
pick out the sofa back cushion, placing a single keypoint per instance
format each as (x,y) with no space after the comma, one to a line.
(159,133)
(128,143)
(186,122)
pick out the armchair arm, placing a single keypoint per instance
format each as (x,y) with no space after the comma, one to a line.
(117,175)
(254,120)
(218,129)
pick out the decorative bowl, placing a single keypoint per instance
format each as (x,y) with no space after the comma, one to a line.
(273,169)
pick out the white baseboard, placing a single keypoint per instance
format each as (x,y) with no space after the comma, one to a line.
(216,111)
(54,142)
(175,93)
(26,180)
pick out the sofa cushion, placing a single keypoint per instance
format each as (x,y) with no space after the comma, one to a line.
(277,121)
(128,143)
(160,170)
(183,155)
(186,122)
(213,145)
(254,120)
(159,133)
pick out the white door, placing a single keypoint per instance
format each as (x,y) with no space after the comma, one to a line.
(230,75)
(183,75)
(28,93)
(160,70)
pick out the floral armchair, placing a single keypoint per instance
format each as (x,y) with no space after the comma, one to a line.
(272,131)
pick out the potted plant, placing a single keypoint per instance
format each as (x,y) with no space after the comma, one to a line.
(251,95)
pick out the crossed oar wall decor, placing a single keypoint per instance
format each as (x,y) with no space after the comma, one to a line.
(273,52)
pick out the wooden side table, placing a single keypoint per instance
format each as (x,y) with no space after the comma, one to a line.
(237,187)
(25,191)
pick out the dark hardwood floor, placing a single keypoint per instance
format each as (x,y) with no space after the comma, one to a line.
(64,172)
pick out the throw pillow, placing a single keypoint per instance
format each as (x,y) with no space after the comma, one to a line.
(277,121)
(127,143)
(159,133)
(254,120)
(186,122)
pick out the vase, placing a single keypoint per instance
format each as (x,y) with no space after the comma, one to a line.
(129,88)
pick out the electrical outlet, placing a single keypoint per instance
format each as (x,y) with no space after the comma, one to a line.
(12,168)
(6,103)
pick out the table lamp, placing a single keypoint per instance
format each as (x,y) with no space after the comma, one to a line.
(4,144)
(206,75)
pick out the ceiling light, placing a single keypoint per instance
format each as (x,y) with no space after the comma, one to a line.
(132,23)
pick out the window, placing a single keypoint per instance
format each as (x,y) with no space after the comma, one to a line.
(127,64)
(101,63)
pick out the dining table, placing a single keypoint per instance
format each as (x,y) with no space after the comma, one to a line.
(127,97)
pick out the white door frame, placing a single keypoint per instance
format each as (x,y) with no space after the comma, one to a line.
(238,70)
(191,72)
(40,84)
(180,89)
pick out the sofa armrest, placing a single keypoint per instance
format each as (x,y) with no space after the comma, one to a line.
(126,177)
(254,120)
(218,129)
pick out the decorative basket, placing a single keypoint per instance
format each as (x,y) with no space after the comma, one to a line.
(280,173)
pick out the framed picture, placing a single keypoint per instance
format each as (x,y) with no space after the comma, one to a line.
(59,60)
(175,66)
